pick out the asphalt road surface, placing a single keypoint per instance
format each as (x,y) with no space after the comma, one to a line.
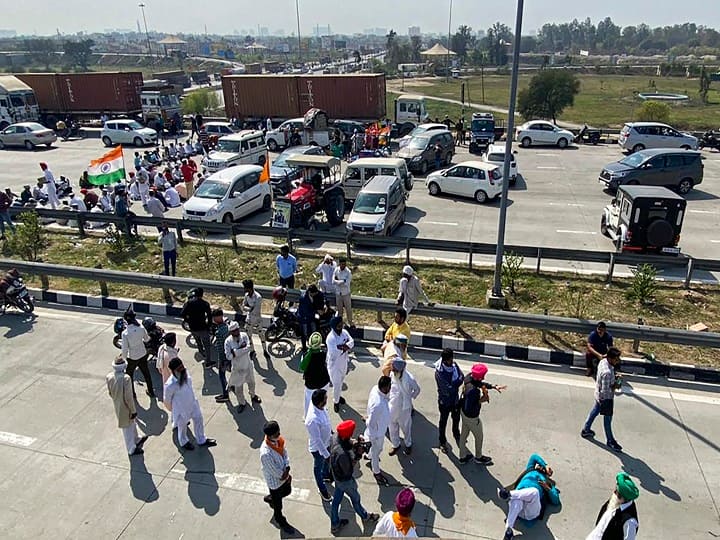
(64,472)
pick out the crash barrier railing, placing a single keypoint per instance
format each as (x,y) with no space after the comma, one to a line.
(548,323)
(351,241)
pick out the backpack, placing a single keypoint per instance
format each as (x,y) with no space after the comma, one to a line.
(341,465)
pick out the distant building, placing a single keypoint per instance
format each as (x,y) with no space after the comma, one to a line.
(375,31)
(414,31)
(264,32)
(320,31)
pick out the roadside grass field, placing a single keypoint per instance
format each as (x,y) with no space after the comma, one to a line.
(560,294)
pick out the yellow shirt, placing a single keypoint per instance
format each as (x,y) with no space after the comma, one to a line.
(396,329)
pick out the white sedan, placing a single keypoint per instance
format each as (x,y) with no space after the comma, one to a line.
(541,132)
(27,134)
(475,179)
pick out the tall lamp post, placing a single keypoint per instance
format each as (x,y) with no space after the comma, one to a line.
(147,34)
(297,15)
(447,61)
(496,298)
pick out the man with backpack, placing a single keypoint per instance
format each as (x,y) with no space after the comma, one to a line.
(345,452)
(449,379)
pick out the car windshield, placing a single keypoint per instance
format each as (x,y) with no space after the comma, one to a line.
(211,189)
(134,125)
(281,160)
(370,203)
(418,131)
(483,125)
(633,160)
(419,142)
(228,146)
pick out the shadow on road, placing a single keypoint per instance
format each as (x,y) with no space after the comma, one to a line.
(142,484)
(271,376)
(17,323)
(250,422)
(202,484)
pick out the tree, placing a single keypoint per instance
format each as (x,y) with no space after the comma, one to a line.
(416,49)
(77,53)
(200,101)
(654,111)
(41,51)
(549,92)
(462,41)
(498,37)
(392,46)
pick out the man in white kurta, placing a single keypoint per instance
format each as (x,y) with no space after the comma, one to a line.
(339,344)
(403,390)
(50,186)
(179,398)
(377,423)
(325,270)
(237,350)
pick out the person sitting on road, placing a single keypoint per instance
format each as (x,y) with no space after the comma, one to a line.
(38,194)
(172,197)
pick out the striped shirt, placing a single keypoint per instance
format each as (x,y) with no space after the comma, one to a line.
(605,381)
(273,465)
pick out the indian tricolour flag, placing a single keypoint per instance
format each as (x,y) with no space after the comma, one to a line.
(108,169)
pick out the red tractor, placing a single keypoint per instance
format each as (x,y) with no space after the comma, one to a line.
(319,190)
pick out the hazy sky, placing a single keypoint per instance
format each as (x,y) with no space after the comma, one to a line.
(343,16)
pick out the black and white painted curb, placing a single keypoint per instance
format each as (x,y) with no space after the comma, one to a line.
(499,349)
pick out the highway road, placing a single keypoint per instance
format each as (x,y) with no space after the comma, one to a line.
(64,472)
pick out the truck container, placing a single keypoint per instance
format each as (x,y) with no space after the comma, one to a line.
(254,69)
(174,77)
(356,96)
(200,77)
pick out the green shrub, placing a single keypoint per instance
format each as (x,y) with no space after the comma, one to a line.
(29,238)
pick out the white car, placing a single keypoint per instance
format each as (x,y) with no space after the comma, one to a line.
(636,136)
(27,134)
(245,147)
(124,131)
(219,129)
(280,136)
(229,195)
(495,155)
(541,132)
(475,179)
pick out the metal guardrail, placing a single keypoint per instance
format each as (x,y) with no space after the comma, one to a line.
(457,313)
(690,264)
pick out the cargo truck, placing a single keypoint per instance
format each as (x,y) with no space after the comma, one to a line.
(17,102)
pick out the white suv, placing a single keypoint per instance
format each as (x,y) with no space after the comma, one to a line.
(496,156)
(125,131)
(280,136)
(243,148)
(636,136)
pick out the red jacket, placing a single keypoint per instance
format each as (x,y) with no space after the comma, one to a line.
(187,172)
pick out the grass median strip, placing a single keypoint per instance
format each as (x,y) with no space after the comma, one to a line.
(567,295)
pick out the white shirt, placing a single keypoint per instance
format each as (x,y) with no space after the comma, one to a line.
(77,201)
(189,148)
(403,390)
(142,174)
(237,350)
(317,423)
(133,342)
(385,528)
(104,202)
(335,355)
(49,178)
(134,191)
(181,398)
(342,280)
(410,290)
(159,180)
(268,124)
(252,304)
(154,207)
(326,271)
(172,197)
(378,414)
(630,527)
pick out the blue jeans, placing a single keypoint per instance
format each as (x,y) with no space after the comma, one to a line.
(438,163)
(321,470)
(607,422)
(341,488)
(5,216)
(169,258)
(223,378)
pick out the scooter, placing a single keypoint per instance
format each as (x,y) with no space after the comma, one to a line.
(155,332)
(588,136)
(73,130)
(709,140)
(14,293)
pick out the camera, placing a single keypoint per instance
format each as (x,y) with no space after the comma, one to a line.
(361,446)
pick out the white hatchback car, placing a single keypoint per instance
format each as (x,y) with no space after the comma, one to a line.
(636,136)
(228,195)
(476,179)
(125,131)
(542,132)
(280,136)
(495,155)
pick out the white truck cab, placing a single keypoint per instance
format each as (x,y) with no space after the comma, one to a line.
(17,102)
(410,111)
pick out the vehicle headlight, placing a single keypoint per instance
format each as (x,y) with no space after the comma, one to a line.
(417,158)
(214,210)
(618,174)
(380,225)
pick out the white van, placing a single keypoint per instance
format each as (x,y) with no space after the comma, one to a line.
(229,195)
(361,171)
(246,147)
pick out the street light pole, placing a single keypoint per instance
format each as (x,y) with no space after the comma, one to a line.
(297,14)
(447,61)
(147,34)
(497,294)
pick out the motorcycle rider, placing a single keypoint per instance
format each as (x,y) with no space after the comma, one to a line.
(8,280)
(134,352)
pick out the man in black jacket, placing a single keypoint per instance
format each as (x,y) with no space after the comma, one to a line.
(196,313)
(618,518)
(314,368)
(449,379)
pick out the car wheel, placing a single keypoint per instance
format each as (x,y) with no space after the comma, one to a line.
(481,196)
(685,147)
(137,141)
(685,186)
(272,145)
(261,160)
(29,145)
(49,145)
(267,201)
(228,219)
(2,145)
(604,227)
(107,141)
(526,142)
(638,148)
(562,142)
(433,189)
(423,167)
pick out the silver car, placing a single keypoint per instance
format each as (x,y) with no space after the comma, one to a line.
(27,134)
(124,131)
(636,136)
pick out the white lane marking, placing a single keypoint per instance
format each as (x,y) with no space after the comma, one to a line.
(715,241)
(565,204)
(547,155)
(451,223)
(701,212)
(564,231)
(69,315)
(549,167)
(15,439)
(250,484)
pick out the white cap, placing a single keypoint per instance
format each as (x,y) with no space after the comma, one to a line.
(233,326)
(328,257)
(408,270)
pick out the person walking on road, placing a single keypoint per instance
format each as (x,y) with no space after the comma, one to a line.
(237,350)
(403,390)
(342,280)
(410,291)
(286,265)
(166,352)
(120,389)
(5,203)
(220,333)
(179,398)
(605,385)
(449,379)
(50,186)
(339,343)
(317,423)
(168,243)
(196,313)
(314,369)
(252,307)
(529,495)
(134,352)
(618,517)
(276,470)
(325,270)
(377,423)
(598,343)
(343,457)
(398,524)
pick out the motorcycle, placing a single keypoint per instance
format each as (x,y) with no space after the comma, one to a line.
(588,136)
(14,293)
(284,323)
(709,140)
(72,131)
(155,332)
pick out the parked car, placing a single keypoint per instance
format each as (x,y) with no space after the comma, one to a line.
(636,136)
(495,155)
(348,127)
(282,174)
(379,208)
(245,147)
(475,179)
(219,129)
(644,219)
(27,134)
(419,153)
(420,130)
(361,171)
(280,136)
(124,131)
(228,195)
(675,169)
(541,132)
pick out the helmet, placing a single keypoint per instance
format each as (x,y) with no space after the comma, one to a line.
(279,293)
(129,314)
(149,324)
